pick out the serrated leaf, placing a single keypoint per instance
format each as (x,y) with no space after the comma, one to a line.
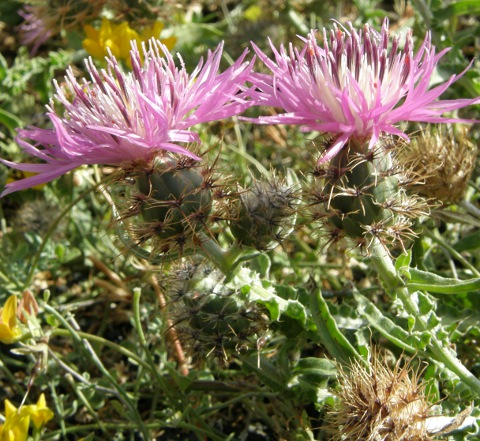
(250,284)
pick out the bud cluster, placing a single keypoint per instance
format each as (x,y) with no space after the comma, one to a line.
(211,319)
(362,194)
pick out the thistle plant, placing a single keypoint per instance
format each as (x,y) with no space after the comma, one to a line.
(210,318)
(266,213)
(444,159)
(364,196)
(215,308)
(356,87)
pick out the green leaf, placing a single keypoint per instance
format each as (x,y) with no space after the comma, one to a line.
(250,284)
(427,281)
(10,121)
(470,242)
(328,333)
(383,324)
(321,367)
(463,7)
(403,260)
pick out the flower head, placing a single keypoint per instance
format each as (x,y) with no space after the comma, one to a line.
(9,327)
(359,85)
(378,402)
(39,413)
(116,39)
(120,119)
(18,420)
(35,30)
(16,424)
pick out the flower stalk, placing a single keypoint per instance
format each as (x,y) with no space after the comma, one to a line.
(395,287)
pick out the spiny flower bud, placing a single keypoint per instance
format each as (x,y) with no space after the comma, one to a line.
(360,193)
(266,215)
(443,159)
(210,318)
(378,403)
(170,201)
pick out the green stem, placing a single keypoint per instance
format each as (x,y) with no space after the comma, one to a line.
(452,251)
(394,286)
(36,258)
(122,394)
(104,342)
(152,367)
(225,260)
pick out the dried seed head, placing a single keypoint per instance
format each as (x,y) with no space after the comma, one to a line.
(380,403)
(443,159)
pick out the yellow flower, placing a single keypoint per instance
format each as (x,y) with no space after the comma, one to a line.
(16,424)
(9,327)
(117,37)
(17,421)
(39,413)
(110,35)
(17,175)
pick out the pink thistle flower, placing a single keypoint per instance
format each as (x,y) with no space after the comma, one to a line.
(119,118)
(358,86)
(34,31)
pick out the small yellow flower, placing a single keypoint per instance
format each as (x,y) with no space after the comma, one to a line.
(117,38)
(9,327)
(110,35)
(39,413)
(16,424)
(17,175)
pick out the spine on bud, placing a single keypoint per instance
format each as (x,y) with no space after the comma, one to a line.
(266,213)
(169,202)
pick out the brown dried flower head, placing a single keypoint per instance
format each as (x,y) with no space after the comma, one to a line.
(444,158)
(378,403)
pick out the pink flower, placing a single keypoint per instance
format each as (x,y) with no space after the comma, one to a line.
(34,31)
(358,86)
(119,118)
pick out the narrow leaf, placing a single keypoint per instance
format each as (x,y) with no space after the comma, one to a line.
(426,281)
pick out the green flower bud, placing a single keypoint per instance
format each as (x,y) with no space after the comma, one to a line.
(174,199)
(266,215)
(364,184)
